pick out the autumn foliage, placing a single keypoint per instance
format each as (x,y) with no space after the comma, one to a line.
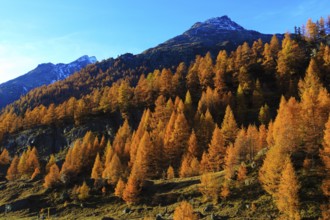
(260,109)
(184,212)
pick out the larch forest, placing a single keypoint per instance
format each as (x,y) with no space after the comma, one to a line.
(235,134)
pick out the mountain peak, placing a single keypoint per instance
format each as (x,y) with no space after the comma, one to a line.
(89,59)
(219,23)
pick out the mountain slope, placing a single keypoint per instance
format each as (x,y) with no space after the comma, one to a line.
(220,33)
(43,74)
(212,35)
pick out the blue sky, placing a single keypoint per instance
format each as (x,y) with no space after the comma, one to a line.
(38,31)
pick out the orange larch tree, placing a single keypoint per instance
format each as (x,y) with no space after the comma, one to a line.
(229,126)
(32,162)
(176,140)
(4,157)
(50,163)
(53,177)
(12,172)
(210,187)
(287,196)
(123,134)
(325,155)
(230,162)
(184,212)
(132,190)
(97,170)
(216,151)
(113,170)
(270,172)
(313,119)
(120,187)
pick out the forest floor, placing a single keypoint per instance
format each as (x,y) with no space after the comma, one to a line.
(28,200)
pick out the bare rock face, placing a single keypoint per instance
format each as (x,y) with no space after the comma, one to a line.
(51,139)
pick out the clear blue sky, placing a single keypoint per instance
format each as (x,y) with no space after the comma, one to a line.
(38,31)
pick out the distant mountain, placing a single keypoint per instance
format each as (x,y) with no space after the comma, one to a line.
(44,74)
(220,33)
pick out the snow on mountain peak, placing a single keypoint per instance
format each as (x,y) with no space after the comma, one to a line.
(224,23)
(220,23)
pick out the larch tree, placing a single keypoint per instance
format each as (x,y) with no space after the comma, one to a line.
(242,145)
(216,151)
(113,170)
(120,187)
(241,173)
(137,135)
(312,119)
(53,177)
(188,107)
(205,71)
(270,172)
(230,162)
(192,78)
(252,136)
(32,162)
(178,80)
(193,147)
(22,168)
(97,170)
(12,172)
(290,63)
(4,157)
(325,156)
(132,190)
(50,163)
(84,191)
(122,135)
(264,114)
(225,190)
(170,173)
(311,30)
(262,139)
(204,129)
(166,82)
(241,103)
(270,55)
(144,157)
(176,140)
(229,126)
(190,164)
(287,137)
(220,72)
(209,187)
(287,199)
(257,95)
(184,211)
(108,154)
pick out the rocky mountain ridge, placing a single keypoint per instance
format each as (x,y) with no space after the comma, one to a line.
(43,74)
